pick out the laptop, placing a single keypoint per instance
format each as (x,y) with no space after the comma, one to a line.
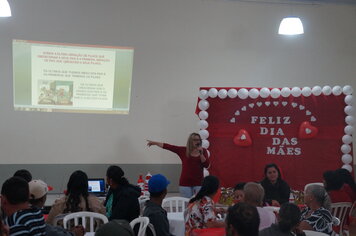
(97,187)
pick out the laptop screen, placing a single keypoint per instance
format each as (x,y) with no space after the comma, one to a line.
(96,186)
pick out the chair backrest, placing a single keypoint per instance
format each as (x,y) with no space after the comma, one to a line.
(142,200)
(317,183)
(58,219)
(83,216)
(175,204)
(152,228)
(340,210)
(143,221)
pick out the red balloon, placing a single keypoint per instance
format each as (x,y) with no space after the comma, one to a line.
(243,138)
(306,130)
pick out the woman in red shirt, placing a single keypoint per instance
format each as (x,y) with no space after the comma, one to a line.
(194,158)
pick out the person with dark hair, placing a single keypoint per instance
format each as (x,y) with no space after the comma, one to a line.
(201,212)
(157,186)
(194,159)
(316,216)
(77,198)
(242,220)
(239,192)
(38,196)
(115,228)
(122,199)
(349,185)
(25,174)
(277,191)
(20,217)
(333,184)
(288,221)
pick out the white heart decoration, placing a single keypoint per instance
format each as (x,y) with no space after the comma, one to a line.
(232,120)
(243,108)
(268,103)
(308,131)
(284,103)
(251,105)
(294,104)
(243,137)
(259,104)
(312,119)
(301,107)
(275,103)
(308,113)
(237,113)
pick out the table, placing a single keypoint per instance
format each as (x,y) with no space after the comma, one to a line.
(176,223)
(89,234)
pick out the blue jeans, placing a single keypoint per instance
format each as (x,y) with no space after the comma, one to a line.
(188,192)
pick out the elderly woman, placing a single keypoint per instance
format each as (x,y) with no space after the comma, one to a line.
(316,216)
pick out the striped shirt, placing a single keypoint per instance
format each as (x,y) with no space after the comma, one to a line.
(26,222)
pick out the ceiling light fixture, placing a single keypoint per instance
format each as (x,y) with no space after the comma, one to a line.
(5,10)
(291,26)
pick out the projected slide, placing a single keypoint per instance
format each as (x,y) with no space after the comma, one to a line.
(71,77)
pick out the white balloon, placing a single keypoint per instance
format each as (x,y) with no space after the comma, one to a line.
(349,110)
(203,115)
(242,93)
(222,93)
(205,143)
(253,93)
(337,90)
(349,120)
(213,92)
(203,94)
(264,92)
(285,92)
(347,139)
(203,124)
(275,93)
(327,90)
(204,134)
(203,105)
(232,93)
(349,130)
(349,99)
(345,148)
(306,91)
(346,158)
(208,153)
(316,90)
(347,90)
(347,167)
(296,92)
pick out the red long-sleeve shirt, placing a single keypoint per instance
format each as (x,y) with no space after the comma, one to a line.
(192,167)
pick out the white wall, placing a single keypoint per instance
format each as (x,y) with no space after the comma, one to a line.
(179,46)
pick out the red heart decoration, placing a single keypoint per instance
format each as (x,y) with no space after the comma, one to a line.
(306,130)
(243,138)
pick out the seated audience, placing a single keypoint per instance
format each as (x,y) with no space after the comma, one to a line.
(122,199)
(76,198)
(349,185)
(334,186)
(242,220)
(157,186)
(25,174)
(239,192)
(38,196)
(201,212)
(316,216)
(115,228)
(254,195)
(20,217)
(277,191)
(288,220)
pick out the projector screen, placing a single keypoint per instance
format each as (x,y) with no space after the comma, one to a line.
(59,77)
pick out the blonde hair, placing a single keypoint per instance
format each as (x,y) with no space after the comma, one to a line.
(254,193)
(190,146)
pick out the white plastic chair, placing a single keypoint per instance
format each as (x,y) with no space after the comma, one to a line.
(152,228)
(175,204)
(143,221)
(142,200)
(84,215)
(340,210)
